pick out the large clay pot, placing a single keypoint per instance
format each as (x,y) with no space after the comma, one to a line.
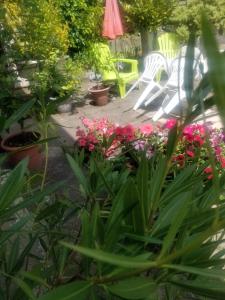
(24,149)
(100,94)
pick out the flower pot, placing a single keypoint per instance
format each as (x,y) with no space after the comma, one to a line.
(100,94)
(20,146)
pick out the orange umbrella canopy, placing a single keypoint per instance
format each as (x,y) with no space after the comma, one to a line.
(112,25)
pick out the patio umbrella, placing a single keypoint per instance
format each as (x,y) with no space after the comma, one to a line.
(112,25)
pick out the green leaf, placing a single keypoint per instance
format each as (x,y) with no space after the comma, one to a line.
(172,140)
(133,288)
(14,229)
(13,256)
(210,273)
(32,276)
(24,287)
(75,290)
(36,198)
(113,259)
(10,190)
(216,64)
(19,114)
(142,187)
(209,289)
(79,174)
(178,219)
(120,209)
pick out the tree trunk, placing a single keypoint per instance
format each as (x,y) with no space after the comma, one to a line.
(148,42)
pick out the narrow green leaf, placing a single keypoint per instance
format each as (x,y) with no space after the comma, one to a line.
(179,216)
(210,273)
(79,174)
(113,259)
(216,64)
(14,229)
(209,289)
(142,187)
(75,290)
(24,287)
(16,116)
(32,276)
(10,190)
(133,288)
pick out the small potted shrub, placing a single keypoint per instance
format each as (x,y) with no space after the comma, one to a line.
(100,94)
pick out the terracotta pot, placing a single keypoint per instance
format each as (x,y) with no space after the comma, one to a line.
(18,153)
(100,95)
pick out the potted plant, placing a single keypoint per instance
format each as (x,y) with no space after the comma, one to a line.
(100,91)
(100,94)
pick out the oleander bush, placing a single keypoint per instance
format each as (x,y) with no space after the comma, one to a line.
(149,230)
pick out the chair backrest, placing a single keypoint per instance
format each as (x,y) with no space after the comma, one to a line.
(103,58)
(154,62)
(177,71)
(168,44)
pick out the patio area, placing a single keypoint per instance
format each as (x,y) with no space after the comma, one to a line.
(118,110)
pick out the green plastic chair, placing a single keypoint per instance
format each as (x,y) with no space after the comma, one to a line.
(168,45)
(107,68)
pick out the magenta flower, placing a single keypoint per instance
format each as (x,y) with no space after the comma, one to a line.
(146,129)
(170,123)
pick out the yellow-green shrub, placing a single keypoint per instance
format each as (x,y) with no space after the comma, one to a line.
(36,27)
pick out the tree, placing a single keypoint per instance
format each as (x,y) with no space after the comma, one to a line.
(186,16)
(148,15)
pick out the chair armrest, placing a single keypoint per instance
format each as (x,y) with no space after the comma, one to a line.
(132,62)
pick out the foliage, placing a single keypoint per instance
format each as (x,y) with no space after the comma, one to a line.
(148,14)
(186,16)
(31,38)
(84,19)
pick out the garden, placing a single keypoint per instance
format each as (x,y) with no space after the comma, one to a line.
(138,211)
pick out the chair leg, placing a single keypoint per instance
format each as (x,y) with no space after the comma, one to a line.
(153,97)
(143,96)
(158,114)
(122,89)
(131,88)
(175,101)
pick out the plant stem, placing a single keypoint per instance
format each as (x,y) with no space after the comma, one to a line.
(46,157)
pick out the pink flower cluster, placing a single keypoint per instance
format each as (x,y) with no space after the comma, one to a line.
(109,138)
(101,133)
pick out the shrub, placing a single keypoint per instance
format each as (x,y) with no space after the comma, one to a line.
(35,27)
(84,19)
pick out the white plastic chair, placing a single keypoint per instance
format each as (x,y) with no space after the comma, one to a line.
(175,83)
(154,62)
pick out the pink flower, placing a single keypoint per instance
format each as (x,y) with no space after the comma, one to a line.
(126,133)
(91,147)
(80,132)
(208,170)
(190,153)
(170,123)
(146,129)
(87,123)
(218,150)
(222,162)
(82,142)
(198,139)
